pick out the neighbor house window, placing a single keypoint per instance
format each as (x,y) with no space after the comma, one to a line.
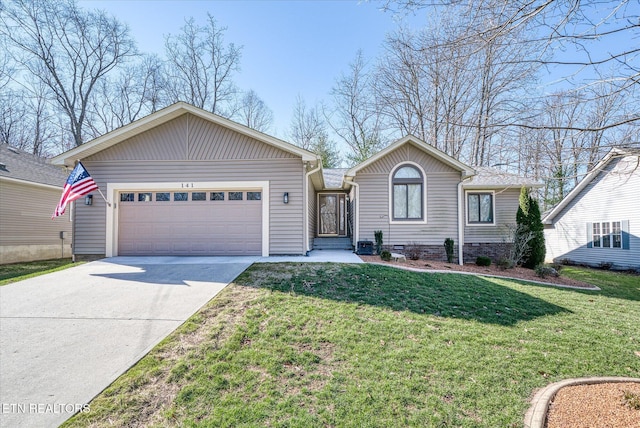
(606,234)
(480,208)
(407,184)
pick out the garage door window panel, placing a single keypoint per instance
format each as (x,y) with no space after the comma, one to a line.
(199,196)
(217,196)
(144,197)
(180,196)
(127,197)
(235,196)
(254,196)
(163,197)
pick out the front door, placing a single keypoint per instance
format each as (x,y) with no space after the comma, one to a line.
(332,214)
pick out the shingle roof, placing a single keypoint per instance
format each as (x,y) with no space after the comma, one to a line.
(20,165)
(333,177)
(490,177)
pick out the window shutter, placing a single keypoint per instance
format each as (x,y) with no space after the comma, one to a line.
(625,234)
(589,235)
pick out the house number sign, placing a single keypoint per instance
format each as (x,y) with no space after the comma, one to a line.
(187,185)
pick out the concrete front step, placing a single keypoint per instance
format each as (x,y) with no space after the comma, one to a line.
(332,244)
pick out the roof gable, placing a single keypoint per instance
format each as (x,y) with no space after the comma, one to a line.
(190,137)
(592,175)
(166,115)
(430,150)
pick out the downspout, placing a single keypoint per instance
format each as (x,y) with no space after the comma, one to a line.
(356,229)
(306,206)
(461,221)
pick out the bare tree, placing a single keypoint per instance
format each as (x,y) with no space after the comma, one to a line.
(254,113)
(576,26)
(135,92)
(70,50)
(354,117)
(200,66)
(309,130)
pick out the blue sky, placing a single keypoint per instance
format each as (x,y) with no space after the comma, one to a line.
(289,47)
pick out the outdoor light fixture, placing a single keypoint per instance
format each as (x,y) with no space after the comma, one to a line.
(285,197)
(88,200)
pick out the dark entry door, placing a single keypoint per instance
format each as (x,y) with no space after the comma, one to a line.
(332,214)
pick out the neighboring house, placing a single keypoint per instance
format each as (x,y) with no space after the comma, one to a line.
(30,189)
(183,181)
(598,222)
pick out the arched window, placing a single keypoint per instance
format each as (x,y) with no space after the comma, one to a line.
(408,193)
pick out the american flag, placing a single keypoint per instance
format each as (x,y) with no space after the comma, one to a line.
(78,184)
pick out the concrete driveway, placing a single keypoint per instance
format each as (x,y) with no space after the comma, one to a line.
(66,336)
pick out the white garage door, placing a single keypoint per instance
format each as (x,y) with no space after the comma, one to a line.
(200,223)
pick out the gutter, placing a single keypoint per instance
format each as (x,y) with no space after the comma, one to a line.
(461,221)
(356,229)
(306,205)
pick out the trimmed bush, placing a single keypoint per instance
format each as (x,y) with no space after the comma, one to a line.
(544,271)
(505,263)
(385,255)
(483,261)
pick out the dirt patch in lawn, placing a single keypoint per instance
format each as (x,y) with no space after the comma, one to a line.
(517,272)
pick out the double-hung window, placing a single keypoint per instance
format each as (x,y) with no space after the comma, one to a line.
(606,234)
(408,193)
(480,208)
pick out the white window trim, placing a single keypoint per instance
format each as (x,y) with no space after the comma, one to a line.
(113,189)
(424,194)
(466,208)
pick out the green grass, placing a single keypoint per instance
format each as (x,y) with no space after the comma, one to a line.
(370,346)
(18,271)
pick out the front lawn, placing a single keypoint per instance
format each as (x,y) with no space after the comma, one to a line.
(361,345)
(18,271)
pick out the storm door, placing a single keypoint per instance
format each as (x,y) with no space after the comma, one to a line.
(332,214)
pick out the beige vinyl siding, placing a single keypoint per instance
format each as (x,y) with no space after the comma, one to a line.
(313,213)
(441,206)
(611,196)
(189,149)
(189,137)
(284,175)
(27,231)
(408,152)
(506,207)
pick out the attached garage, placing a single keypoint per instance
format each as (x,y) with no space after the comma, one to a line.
(183,181)
(195,223)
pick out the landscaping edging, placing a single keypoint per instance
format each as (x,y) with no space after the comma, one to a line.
(536,416)
(592,288)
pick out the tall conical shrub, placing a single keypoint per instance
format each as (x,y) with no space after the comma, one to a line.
(529,221)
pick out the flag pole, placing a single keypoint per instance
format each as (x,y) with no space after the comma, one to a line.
(105,199)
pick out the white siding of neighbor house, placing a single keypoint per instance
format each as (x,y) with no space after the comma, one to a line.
(27,231)
(441,207)
(612,196)
(506,207)
(190,149)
